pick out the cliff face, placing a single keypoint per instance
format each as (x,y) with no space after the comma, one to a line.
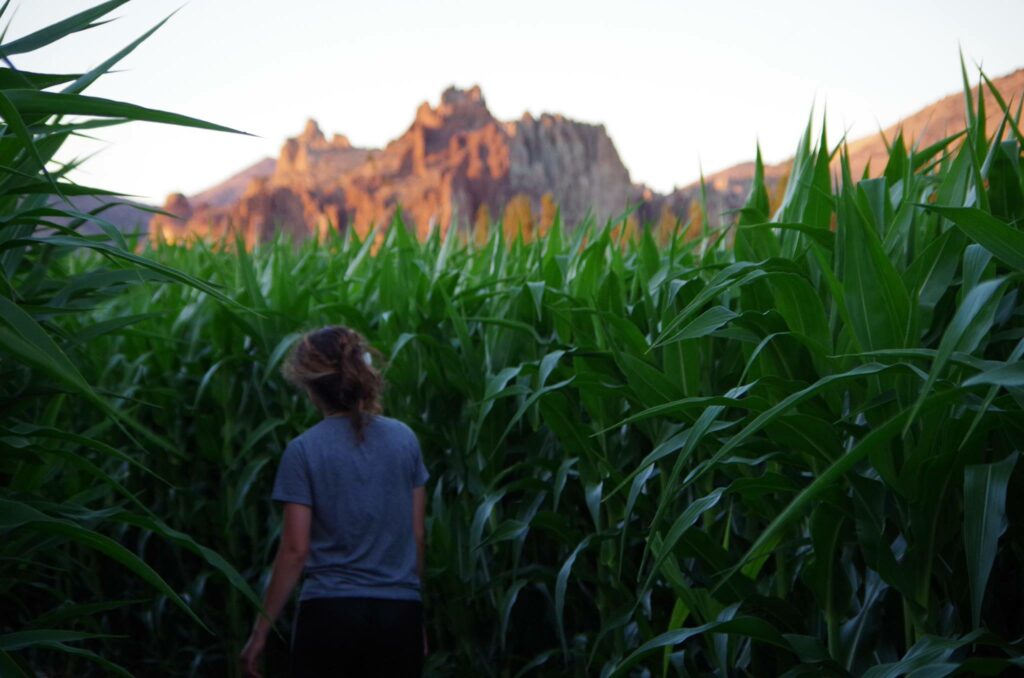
(456,161)
(575,162)
(311,161)
(453,162)
(452,159)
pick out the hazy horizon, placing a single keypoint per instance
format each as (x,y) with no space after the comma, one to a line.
(677,88)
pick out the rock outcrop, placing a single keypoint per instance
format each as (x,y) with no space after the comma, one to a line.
(575,162)
(455,161)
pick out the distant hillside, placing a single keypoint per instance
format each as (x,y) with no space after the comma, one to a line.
(727,190)
(232,188)
(457,160)
(124,215)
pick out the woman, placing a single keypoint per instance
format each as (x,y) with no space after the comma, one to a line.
(353,496)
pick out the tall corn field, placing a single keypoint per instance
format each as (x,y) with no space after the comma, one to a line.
(788,447)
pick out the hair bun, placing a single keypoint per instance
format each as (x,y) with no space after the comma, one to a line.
(335,364)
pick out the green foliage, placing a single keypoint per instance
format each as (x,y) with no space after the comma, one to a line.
(692,460)
(72,529)
(796,455)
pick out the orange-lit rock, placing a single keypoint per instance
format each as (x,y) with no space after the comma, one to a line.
(457,162)
(454,160)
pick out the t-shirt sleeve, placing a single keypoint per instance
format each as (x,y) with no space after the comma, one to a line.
(292,483)
(420,473)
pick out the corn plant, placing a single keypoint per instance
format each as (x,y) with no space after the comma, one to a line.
(70,449)
(788,447)
(793,455)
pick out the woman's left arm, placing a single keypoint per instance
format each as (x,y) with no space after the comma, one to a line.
(288,565)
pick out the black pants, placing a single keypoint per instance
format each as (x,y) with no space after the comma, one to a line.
(357,637)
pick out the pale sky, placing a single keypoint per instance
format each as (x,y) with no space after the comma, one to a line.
(678,85)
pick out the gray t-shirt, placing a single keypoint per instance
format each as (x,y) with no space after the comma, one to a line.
(361,540)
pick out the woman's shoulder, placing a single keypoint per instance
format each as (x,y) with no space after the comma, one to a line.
(393,426)
(379,426)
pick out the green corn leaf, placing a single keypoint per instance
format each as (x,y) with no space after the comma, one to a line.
(23,639)
(51,34)
(35,104)
(561,585)
(209,556)
(15,514)
(876,300)
(704,324)
(1011,374)
(87,79)
(1004,242)
(971,321)
(751,627)
(928,657)
(12,118)
(826,479)
(119,253)
(984,522)
(12,79)
(684,522)
(22,336)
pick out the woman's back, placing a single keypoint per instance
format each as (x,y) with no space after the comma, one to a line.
(361,537)
(353,523)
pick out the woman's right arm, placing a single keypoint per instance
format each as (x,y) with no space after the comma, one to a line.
(287,570)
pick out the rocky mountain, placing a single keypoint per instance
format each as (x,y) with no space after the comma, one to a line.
(456,162)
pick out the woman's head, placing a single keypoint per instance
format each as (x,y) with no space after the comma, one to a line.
(333,365)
